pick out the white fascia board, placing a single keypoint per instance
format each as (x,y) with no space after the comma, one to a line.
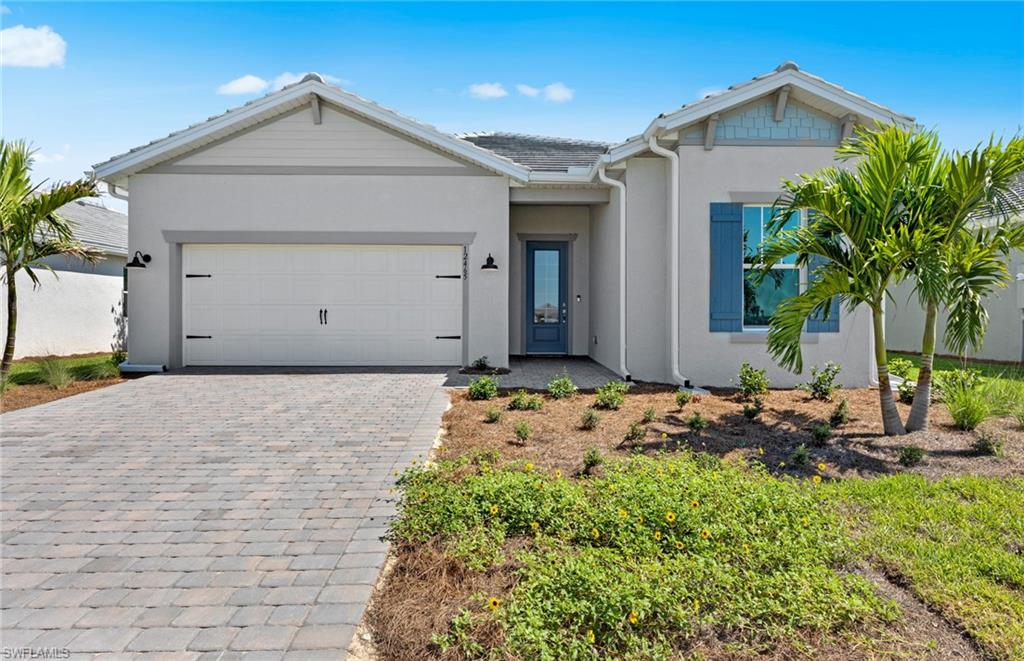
(371,111)
(582,177)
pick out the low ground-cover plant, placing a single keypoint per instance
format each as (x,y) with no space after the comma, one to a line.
(524,401)
(840,414)
(590,419)
(484,387)
(636,432)
(561,387)
(752,381)
(989,443)
(492,415)
(697,422)
(906,391)
(900,367)
(954,542)
(683,398)
(754,408)
(820,433)
(591,460)
(801,456)
(823,382)
(642,561)
(911,455)
(522,431)
(649,414)
(611,395)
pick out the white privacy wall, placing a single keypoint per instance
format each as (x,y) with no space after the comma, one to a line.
(75,312)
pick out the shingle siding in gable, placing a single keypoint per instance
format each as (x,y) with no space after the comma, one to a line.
(755,122)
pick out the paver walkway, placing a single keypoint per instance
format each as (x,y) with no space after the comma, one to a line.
(194,514)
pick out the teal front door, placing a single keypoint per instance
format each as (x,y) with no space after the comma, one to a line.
(547,294)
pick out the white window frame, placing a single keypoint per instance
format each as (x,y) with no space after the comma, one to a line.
(801,283)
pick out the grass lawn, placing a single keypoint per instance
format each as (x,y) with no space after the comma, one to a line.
(1005,371)
(26,371)
(35,381)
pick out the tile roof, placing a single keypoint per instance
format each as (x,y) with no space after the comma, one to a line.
(98,227)
(538,152)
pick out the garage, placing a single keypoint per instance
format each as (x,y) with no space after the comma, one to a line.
(250,304)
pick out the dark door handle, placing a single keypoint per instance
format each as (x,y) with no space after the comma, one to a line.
(325,316)
(321,316)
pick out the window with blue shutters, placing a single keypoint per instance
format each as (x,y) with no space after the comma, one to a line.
(760,301)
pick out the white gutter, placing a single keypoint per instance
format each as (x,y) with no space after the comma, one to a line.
(623,370)
(673,238)
(112,192)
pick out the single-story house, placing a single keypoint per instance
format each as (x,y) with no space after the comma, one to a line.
(1004,341)
(315,227)
(78,307)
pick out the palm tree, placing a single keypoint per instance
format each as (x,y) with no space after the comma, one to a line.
(959,266)
(856,228)
(30,228)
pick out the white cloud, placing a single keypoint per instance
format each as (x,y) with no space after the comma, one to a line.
(487,91)
(705,92)
(56,157)
(4,10)
(247,84)
(31,47)
(527,90)
(558,92)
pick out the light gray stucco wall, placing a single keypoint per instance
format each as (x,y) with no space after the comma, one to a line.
(714,358)
(557,222)
(647,277)
(75,309)
(904,320)
(604,282)
(292,204)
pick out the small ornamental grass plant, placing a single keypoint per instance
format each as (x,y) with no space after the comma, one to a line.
(611,395)
(55,373)
(967,404)
(641,561)
(484,387)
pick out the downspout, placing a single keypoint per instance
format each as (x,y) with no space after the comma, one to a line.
(621,187)
(673,238)
(112,192)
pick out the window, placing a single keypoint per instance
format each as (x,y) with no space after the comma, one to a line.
(759,302)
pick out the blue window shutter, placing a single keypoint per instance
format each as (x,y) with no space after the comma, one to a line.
(726,267)
(816,323)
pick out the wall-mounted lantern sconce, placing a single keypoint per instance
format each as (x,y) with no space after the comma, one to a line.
(489,265)
(139,261)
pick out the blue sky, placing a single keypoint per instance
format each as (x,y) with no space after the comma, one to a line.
(131,72)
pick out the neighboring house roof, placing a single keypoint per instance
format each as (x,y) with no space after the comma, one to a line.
(290,97)
(1013,201)
(97,227)
(540,153)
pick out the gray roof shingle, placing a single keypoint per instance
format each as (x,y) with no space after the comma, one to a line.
(540,152)
(97,227)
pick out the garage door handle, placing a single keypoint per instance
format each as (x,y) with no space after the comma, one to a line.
(447,337)
(198,337)
(453,277)
(325,316)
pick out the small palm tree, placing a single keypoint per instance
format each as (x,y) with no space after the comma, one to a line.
(857,230)
(959,265)
(31,230)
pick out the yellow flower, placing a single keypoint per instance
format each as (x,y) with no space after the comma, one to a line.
(611,487)
(660,472)
(423,493)
(664,435)
(595,533)
(705,533)
(529,466)
(746,548)
(535,525)
(640,519)
(558,474)
(590,636)
(760,451)
(494,603)
(695,504)
(806,521)
(822,467)
(413,462)
(670,516)
(494,509)
(680,546)
(816,479)
(782,464)
(696,604)
(657,535)
(623,514)
(633,617)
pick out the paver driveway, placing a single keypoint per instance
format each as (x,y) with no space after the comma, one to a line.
(197,513)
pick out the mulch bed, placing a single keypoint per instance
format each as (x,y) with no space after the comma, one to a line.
(856,449)
(20,397)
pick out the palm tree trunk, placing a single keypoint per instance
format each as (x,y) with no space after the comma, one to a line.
(891,421)
(12,323)
(918,418)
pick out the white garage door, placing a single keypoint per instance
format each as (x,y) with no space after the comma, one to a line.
(321,305)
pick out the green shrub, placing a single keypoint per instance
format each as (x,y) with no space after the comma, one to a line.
(840,414)
(636,432)
(590,419)
(990,444)
(524,401)
(967,404)
(561,387)
(820,433)
(801,456)
(492,415)
(481,363)
(911,455)
(55,373)
(823,382)
(752,381)
(98,371)
(611,395)
(1004,396)
(522,431)
(118,356)
(683,398)
(484,387)
(643,561)
(954,380)
(900,367)
(906,392)
(753,409)
(591,460)
(697,422)
(649,414)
